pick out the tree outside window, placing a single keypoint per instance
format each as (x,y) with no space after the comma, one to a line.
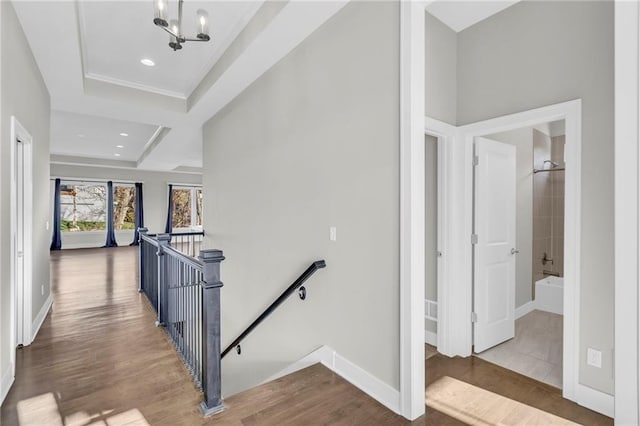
(124,206)
(187,207)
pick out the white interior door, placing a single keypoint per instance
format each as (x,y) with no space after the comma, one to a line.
(19,241)
(494,251)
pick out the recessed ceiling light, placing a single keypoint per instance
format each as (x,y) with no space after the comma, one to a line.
(116,154)
(80,135)
(119,146)
(124,134)
(148,62)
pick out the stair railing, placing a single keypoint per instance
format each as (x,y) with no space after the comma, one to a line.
(297,285)
(185,293)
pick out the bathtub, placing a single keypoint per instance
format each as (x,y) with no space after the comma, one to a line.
(550,294)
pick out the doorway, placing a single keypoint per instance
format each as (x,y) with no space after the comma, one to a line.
(21,232)
(519,219)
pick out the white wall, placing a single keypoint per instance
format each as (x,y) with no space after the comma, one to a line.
(154,191)
(25,96)
(522,139)
(313,143)
(441,47)
(541,53)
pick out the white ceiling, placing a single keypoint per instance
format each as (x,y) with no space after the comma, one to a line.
(96,137)
(116,35)
(459,15)
(89,57)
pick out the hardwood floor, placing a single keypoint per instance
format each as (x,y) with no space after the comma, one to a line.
(99,360)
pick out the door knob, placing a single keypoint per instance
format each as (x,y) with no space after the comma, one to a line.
(514,251)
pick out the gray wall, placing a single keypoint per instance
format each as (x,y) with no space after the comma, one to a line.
(313,143)
(25,96)
(522,139)
(540,53)
(441,46)
(431,224)
(154,191)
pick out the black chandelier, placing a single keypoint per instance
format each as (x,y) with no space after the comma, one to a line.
(174,26)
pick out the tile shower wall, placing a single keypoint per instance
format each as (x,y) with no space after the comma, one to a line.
(548,207)
(557,202)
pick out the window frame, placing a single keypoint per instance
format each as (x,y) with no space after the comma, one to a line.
(71,182)
(193,190)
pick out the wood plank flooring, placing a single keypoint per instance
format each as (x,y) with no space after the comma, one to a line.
(99,360)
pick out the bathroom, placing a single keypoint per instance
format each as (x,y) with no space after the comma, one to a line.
(536,350)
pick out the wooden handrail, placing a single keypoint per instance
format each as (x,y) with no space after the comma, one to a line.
(318,264)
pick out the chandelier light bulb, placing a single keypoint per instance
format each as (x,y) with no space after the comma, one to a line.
(160,13)
(203,25)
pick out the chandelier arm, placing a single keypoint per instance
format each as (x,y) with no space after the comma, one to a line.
(169,31)
(193,39)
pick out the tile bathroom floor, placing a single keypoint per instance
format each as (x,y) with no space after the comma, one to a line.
(536,349)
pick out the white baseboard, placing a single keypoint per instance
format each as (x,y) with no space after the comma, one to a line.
(319,355)
(525,309)
(363,380)
(430,338)
(37,322)
(369,384)
(5,382)
(595,400)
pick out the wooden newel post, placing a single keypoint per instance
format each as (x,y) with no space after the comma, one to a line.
(163,291)
(212,377)
(141,259)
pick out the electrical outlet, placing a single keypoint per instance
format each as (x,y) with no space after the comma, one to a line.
(594,358)
(333,233)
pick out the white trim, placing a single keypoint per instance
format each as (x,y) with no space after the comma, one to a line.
(18,132)
(595,400)
(323,354)
(363,380)
(37,322)
(446,135)
(6,382)
(412,223)
(135,86)
(366,382)
(523,310)
(571,112)
(431,338)
(627,185)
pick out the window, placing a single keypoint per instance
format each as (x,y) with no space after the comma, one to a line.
(124,206)
(187,207)
(83,207)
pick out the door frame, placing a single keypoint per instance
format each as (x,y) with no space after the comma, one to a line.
(21,295)
(571,112)
(445,135)
(627,217)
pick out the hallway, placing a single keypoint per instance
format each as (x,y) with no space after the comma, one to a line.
(99,360)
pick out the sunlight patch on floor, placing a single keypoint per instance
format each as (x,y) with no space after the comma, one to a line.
(475,406)
(43,410)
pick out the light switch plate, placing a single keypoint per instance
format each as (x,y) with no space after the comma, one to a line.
(333,233)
